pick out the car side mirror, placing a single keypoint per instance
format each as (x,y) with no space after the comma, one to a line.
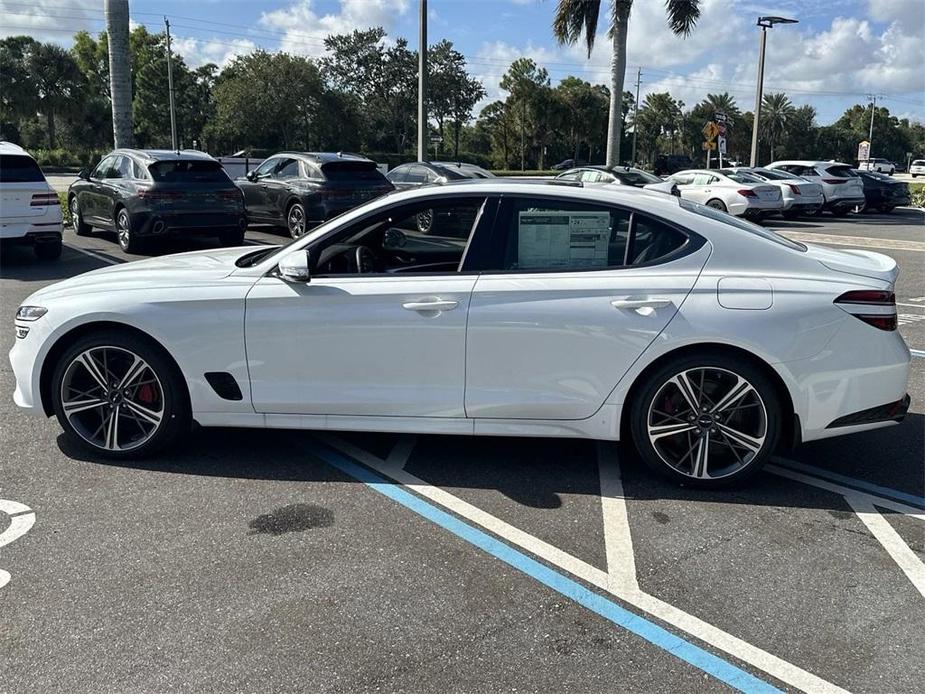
(295,267)
(84,174)
(251,175)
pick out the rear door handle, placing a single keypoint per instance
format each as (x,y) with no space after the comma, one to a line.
(641,303)
(430,306)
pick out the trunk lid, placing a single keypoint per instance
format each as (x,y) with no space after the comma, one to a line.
(856,262)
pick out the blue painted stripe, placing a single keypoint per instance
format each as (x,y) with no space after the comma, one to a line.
(707,662)
(887,492)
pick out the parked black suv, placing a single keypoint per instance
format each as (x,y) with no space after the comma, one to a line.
(147,194)
(667,164)
(883,193)
(295,190)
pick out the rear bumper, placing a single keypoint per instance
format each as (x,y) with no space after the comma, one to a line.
(846,203)
(32,238)
(890,412)
(188,224)
(28,231)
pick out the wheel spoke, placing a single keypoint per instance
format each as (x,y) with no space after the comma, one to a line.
(699,463)
(684,385)
(75,406)
(111,442)
(150,416)
(734,395)
(134,371)
(744,440)
(86,360)
(663,430)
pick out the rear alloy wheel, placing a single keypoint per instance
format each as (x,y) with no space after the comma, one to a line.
(717,205)
(128,239)
(707,421)
(295,220)
(81,228)
(425,221)
(118,396)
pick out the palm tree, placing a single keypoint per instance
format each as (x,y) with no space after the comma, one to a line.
(723,103)
(575,18)
(120,71)
(776,113)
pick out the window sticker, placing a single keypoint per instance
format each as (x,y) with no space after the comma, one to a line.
(556,239)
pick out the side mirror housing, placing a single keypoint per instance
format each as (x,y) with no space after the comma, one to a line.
(295,267)
(251,175)
(84,174)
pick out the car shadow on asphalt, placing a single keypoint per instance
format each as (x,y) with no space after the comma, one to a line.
(536,472)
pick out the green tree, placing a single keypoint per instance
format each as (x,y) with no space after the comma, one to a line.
(576,18)
(776,113)
(58,83)
(660,124)
(451,92)
(499,122)
(586,107)
(527,85)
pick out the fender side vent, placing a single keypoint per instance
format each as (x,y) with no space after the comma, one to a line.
(224,385)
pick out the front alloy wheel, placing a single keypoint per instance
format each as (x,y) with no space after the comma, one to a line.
(118,396)
(708,423)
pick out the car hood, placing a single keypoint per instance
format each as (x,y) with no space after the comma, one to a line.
(179,270)
(856,262)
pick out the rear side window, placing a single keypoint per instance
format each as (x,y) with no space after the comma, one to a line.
(841,171)
(188,172)
(15,168)
(352,171)
(559,235)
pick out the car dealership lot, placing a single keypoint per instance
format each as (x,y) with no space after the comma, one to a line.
(252,560)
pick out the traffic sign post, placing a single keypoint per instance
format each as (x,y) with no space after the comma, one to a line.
(863,151)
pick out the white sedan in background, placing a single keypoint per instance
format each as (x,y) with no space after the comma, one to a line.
(800,196)
(736,193)
(530,309)
(841,186)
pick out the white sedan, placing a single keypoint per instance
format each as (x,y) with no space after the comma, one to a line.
(526,309)
(736,193)
(799,196)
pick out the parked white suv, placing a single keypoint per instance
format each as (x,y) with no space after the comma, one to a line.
(841,186)
(884,166)
(30,212)
(917,168)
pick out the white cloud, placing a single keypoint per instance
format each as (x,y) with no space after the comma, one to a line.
(197,52)
(304,30)
(908,12)
(51,20)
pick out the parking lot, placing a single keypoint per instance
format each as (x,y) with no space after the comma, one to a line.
(252,560)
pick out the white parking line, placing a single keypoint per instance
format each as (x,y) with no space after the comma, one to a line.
(22,518)
(857,241)
(745,652)
(618,541)
(895,546)
(97,256)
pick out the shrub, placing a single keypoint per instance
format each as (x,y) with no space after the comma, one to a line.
(65,209)
(918,194)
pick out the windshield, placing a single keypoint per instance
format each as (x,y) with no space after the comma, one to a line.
(725,218)
(919,162)
(772,175)
(740,176)
(188,171)
(637,178)
(16,168)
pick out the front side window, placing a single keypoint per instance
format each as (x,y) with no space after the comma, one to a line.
(569,176)
(421,237)
(398,174)
(103,167)
(682,179)
(266,168)
(703,179)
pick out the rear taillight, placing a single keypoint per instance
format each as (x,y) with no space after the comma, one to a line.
(159,195)
(833,181)
(874,307)
(746,193)
(44,199)
(795,189)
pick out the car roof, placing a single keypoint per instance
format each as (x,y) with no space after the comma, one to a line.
(10,148)
(152,155)
(807,162)
(322,157)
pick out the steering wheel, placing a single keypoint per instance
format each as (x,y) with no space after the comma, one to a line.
(365,260)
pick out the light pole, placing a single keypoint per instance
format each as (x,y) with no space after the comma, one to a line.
(422,83)
(765,23)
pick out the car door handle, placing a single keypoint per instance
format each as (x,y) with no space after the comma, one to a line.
(641,303)
(429,306)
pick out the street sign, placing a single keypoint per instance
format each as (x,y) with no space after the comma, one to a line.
(721,128)
(710,131)
(721,141)
(709,145)
(436,139)
(863,150)
(719,117)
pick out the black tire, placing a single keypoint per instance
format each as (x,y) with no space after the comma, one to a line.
(231,237)
(886,209)
(296,222)
(171,403)
(81,228)
(757,415)
(126,234)
(839,211)
(48,250)
(790,214)
(717,204)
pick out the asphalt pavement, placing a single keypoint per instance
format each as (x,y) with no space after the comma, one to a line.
(250,560)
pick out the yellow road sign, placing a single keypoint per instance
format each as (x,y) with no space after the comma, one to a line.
(709,145)
(710,130)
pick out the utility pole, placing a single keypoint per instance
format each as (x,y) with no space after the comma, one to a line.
(175,145)
(422,83)
(870,136)
(636,112)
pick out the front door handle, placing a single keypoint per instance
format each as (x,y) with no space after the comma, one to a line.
(430,306)
(645,302)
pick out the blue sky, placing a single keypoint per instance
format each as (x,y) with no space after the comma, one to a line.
(840,52)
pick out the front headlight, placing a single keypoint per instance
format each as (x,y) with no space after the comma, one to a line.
(30,313)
